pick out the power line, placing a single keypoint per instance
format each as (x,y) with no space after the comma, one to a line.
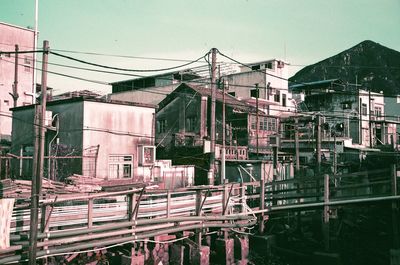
(124,56)
(126,69)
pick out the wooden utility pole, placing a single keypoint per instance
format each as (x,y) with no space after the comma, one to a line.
(38,159)
(296,144)
(369,118)
(318,158)
(325,225)
(257,123)
(223,136)
(211,172)
(14,94)
(395,210)
(334,155)
(318,145)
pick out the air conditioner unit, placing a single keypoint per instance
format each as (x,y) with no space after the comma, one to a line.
(147,155)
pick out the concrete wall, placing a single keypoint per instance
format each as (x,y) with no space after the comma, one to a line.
(9,36)
(69,134)
(152,95)
(119,130)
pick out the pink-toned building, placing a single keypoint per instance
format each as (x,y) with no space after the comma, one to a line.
(11,35)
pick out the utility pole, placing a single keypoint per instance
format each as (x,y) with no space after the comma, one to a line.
(318,145)
(223,136)
(369,118)
(15,85)
(334,155)
(296,144)
(35,40)
(257,123)
(211,172)
(38,159)
(318,158)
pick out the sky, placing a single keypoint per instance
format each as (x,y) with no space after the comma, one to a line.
(299,32)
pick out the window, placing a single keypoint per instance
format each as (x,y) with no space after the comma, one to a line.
(191,123)
(254,94)
(162,126)
(255,67)
(277,97)
(363,109)
(233,94)
(284,100)
(120,166)
(263,123)
(378,111)
(268,65)
(6,103)
(271,124)
(253,123)
(27,63)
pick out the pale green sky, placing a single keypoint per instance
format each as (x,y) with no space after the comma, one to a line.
(251,30)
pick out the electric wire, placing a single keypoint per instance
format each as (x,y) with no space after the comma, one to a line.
(125,69)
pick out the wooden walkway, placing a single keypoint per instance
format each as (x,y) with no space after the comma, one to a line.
(72,223)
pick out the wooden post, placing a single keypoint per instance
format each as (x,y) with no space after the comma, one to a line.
(325,226)
(168,203)
(14,94)
(262,206)
(38,160)
(211,174)
(242,197)
(198,213)
(395,210)
(90,213)
(275,175)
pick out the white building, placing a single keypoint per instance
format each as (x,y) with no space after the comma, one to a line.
(272,79)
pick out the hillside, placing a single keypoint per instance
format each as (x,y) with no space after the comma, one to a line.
(376,67)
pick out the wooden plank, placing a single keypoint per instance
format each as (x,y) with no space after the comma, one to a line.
(6,209)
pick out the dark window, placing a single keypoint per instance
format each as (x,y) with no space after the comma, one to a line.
(254,94)
(284,100)
(268,65)
(363,109)
(255,67)
(233,94)
(162,126)
(191,123)
(277,97)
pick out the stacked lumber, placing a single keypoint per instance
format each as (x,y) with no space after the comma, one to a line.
(22,188)
(91,184)
(80,183)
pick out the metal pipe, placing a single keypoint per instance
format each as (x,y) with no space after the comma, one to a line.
(122,240)
(58,234)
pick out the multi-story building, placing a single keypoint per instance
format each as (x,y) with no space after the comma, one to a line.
(183,132)
(14,91)
(351,121)
(271,76)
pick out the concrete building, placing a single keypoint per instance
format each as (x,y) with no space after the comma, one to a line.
(183,130)
(352,122)
(392,114)
(92,137)
(272,79)
(11,35)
